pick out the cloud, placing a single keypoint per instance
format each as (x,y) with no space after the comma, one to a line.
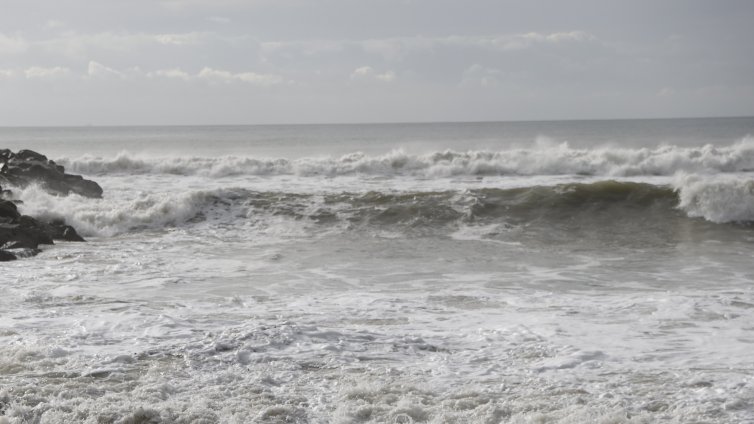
(37,72)
(367,73)
(185,39)
(216,75)
(98,70)
(170,73)
(517,41)
(12,45)
(220,76)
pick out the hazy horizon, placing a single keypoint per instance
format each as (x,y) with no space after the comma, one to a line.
(272,124)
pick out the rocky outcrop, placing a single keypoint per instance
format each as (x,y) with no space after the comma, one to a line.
(28,167)
(21,235)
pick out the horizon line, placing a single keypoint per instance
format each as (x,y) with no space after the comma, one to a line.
(514,121)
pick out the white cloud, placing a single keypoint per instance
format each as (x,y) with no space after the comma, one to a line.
(37,72)
(7,73)
(364,71)
(518,41)
(170,73)
(98,70)
(208,74)
(12,45)
(217,75)
(186,39)
(368,73)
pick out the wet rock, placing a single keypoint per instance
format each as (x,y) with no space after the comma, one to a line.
(24,233)
(6,256)
(70,234)
(8,209)
(21,235)
(58,230)
(29,167)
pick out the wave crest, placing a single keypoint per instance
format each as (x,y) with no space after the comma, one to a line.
(718,199)
(558,159)
(609,205)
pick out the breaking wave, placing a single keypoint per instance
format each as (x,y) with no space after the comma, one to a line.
(576,206)
(720,200)
(558,159)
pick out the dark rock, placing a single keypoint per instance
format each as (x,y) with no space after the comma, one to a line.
(7,232)
(37,231)
(28,167)
(8,209)
(27,238)
(27,221)
(58,230)
(70,234)
(30,155)
(24,234)
(6,256)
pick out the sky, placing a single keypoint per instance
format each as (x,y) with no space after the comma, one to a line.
(176,62)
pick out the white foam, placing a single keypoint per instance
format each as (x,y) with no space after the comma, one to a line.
(337,358)
(113,215)
(541,159)
(720,199)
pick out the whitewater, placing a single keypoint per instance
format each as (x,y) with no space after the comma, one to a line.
(564,272)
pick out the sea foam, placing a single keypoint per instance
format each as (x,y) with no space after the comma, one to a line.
(110,216)
(718,199)
(458,214)
(541,159)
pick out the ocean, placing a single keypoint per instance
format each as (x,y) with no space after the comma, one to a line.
(522,272)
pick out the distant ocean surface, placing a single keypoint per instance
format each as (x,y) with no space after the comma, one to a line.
(524,272)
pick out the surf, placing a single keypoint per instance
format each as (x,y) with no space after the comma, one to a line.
(540,159)
(606,203)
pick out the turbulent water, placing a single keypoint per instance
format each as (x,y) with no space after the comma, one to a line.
(564,272)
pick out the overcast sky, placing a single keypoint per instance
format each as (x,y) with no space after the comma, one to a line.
(113,62)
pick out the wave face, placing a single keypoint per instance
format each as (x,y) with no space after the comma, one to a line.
(544,159)
(603,208)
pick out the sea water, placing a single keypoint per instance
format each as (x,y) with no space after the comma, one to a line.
(532,272)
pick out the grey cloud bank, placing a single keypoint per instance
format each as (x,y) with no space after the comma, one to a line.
(176,62)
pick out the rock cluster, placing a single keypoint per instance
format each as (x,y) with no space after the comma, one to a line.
(21,235)
(29,167)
